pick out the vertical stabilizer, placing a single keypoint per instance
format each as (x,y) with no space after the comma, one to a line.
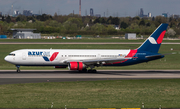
(153,43)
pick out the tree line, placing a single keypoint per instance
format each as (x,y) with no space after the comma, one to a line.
(87,25)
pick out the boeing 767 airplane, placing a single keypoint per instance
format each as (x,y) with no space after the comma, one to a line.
(81,59)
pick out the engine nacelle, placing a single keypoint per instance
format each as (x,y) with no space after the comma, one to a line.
(60,66)
(76,66)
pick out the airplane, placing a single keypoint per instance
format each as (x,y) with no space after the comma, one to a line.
(81,59)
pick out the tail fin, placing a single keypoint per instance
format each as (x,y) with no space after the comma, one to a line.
(153,43)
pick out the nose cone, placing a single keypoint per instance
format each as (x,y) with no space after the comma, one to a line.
(7,58)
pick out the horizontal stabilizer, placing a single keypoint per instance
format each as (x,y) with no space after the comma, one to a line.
(159,55)
(154,56)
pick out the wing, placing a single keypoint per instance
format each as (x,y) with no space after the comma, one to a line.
(95,61)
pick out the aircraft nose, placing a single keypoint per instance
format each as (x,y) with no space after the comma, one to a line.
(7,58)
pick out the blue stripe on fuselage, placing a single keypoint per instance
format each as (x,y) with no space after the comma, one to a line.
(141,57)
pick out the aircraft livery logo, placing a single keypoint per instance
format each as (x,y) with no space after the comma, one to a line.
(44,54)
(159,40)
(54,55)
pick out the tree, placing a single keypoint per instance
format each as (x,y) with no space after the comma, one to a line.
(102,20)
(111,29)
(69,26)
(124,25)
(142,23)
(1,29)
(161,19)
(53,23)
(45,17)
(8,19)
(115,21)
(133,26)
(171,32)
(98,28)
(148,24)
(109,20)
(96,20)
(136,18)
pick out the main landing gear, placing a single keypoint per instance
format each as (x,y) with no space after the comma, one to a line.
(92,70)
(89,71)
(18,70)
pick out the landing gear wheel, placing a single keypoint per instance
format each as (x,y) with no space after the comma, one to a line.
(83,70)
(18,70)
(92,71)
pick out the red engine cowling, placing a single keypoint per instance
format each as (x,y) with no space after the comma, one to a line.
(76,66)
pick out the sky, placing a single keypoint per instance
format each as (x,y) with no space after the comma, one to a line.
(120,8)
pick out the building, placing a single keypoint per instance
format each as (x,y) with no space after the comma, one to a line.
(149,15)
(16,13)
(0,13)
(130,36)
(165,14)
(91,12)
(176,16)
(25,34)
(27,12)
(141,14)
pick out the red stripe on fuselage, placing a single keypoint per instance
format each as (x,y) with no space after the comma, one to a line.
(130,54)
(54,55)
(161,36)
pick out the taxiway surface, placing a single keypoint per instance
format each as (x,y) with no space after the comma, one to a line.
(34,76)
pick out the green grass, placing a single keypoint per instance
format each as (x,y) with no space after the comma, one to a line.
(69,40)
(93,94)
(78,40)
(169,62)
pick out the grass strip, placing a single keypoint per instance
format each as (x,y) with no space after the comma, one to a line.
(93,94)
(80,40)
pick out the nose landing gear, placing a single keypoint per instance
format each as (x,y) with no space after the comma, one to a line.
(18,70)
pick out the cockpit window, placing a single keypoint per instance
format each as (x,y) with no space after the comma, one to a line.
(11,54)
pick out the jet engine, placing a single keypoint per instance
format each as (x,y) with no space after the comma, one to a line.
(76,66)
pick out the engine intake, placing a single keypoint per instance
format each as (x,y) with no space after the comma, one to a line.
(76,66)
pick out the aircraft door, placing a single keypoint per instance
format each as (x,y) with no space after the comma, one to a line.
(23,56)
(99,56)
(135,56)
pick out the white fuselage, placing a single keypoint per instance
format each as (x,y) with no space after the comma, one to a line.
(46,57)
